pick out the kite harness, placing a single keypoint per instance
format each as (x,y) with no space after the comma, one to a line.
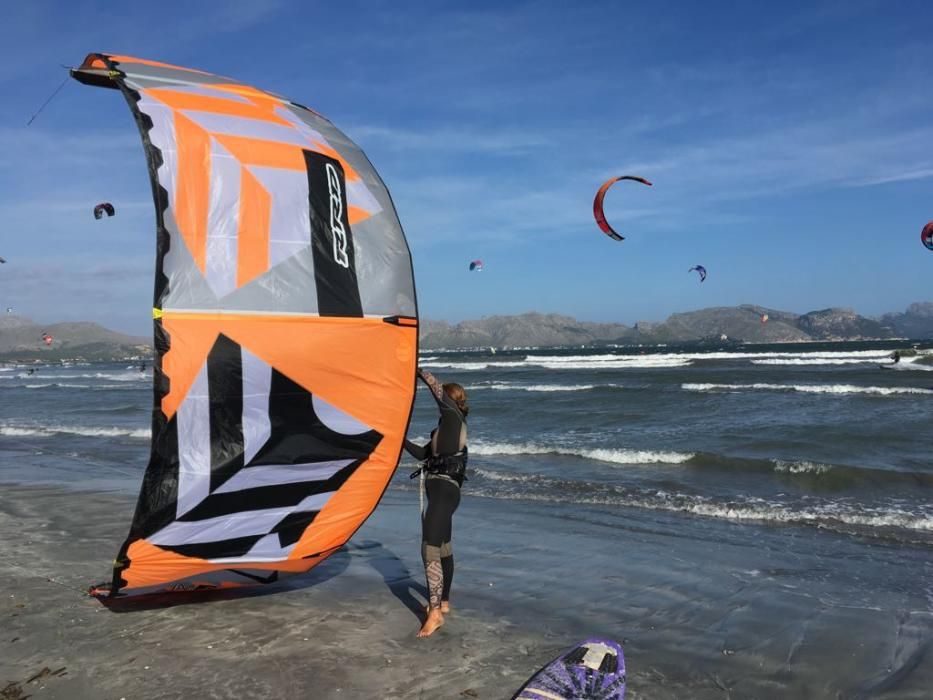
(451,466)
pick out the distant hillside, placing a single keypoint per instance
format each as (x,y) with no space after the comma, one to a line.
(21,339)
(746,323)
(916,322)
(531,329)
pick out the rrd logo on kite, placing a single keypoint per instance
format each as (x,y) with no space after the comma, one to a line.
(336,216)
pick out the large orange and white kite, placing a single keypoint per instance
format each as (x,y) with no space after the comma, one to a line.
(286,333)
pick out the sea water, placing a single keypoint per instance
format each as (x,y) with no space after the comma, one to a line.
(811,434)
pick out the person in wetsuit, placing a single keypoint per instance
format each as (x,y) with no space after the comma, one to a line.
(444,466)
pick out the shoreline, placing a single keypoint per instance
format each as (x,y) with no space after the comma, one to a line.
(702,610)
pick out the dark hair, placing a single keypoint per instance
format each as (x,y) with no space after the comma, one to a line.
(457,393)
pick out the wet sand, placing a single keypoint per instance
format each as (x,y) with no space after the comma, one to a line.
(704,610)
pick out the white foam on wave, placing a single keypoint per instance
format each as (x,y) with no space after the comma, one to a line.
(124,376)
(56,384)
(617,362)
(494,475)
(810,388)
(863,355)
(471,366)
(910,364)
(816,361)
(800,467)
(546,388)
(561,359)
(602,454)
(52,430)
(669,359)
(768,512)
(746,509)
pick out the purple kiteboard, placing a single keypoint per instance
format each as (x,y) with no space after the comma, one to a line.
(594,669)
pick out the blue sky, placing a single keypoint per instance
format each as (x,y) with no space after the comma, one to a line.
(791,147)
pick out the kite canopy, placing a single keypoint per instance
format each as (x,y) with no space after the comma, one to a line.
(2,260)
(285,329)
(476,265)
(926,235)
(598,204)
(103,208)
(47,339)
(700,271)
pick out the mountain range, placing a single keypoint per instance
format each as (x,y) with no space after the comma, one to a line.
(21,339)
(745,323)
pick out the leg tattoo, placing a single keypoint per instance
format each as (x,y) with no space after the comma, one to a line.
(435,575)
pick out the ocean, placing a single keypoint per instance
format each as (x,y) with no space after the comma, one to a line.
(817,435)
(648,481)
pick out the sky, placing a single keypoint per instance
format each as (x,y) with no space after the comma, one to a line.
(790,145)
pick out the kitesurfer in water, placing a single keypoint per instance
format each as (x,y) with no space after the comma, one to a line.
(896,356)
(444,465)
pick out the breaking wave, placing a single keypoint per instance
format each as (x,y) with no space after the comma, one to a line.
(53,430)
(613,455)
(820,513)
(810,388)
(513,386)
(616,362)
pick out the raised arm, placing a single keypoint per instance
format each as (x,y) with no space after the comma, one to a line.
(444,402)
(435,386)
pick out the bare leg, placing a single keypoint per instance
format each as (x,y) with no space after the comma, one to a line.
(435,618)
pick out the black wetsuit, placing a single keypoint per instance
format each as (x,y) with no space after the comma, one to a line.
(443,491)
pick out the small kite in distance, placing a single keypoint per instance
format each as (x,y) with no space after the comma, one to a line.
(927,236)
(103,207)
(598,204)
(476,266)
(47,339)
(764,318)
(2,260)
(701,270)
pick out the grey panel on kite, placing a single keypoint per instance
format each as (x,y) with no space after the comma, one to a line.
(598,213)
(700,270)
(103,208)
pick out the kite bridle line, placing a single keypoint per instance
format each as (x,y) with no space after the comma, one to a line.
(50,97)
(31,572)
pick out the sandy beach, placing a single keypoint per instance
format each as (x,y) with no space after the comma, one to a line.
(697,620)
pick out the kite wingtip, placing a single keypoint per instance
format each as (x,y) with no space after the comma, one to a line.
(100,590)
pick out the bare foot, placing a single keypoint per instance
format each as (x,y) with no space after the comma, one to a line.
(434,620)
